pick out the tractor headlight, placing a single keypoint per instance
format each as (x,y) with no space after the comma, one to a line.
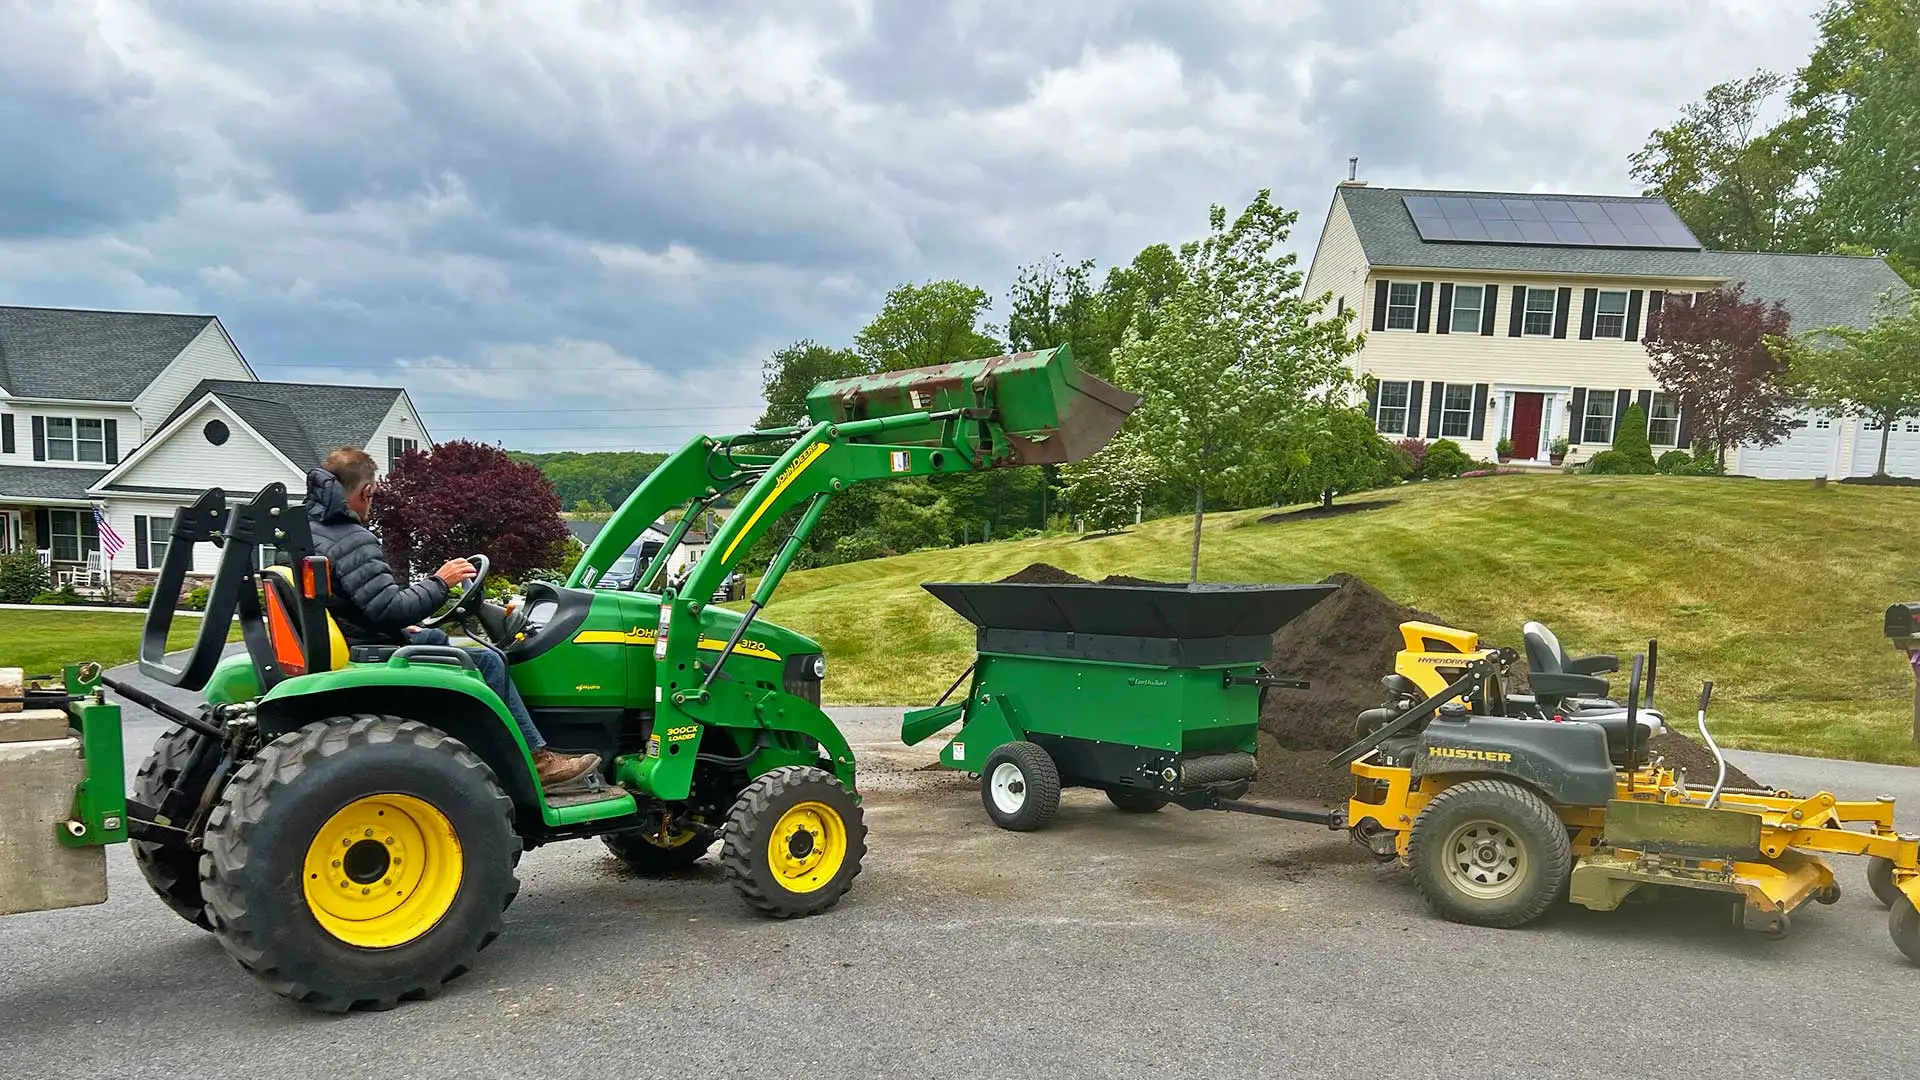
(819,667)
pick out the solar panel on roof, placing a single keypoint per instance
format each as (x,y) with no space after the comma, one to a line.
(1560,222)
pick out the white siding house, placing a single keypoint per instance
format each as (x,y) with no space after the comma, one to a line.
(1493,316)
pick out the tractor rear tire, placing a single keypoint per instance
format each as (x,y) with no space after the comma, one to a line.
(327,812)
(173,780)
(643,853)
(1880,880)
(1903,922)
(1020,787)
(793,842)
(1128,801)
(1490,853)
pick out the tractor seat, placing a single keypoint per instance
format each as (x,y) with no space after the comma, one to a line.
(283,624)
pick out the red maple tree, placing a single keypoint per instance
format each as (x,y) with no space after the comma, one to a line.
(466,498)
(1710,352)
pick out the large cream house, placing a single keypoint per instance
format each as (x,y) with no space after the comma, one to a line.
(1492,315)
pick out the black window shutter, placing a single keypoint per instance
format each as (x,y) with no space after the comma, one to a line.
(42,526)
(1380,305)
(113,441)
(39,438)
(1685,439)
(6,433)
(1519,310)
(1423,320)
(1414,389)
(140,559)
(1445,323)
(1656,299)
(1563,307)
(1373,403)
(1644,399)
(1480,410)
(1621,400)
(1634,299)
(1591,302)
(1490,299)
(1433,414)
(1579,415)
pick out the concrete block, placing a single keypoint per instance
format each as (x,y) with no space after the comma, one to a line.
(12,685)
(33,725)
(37,871)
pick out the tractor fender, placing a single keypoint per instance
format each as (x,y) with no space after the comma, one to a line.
(451,699)
(781,711)
(1567,763)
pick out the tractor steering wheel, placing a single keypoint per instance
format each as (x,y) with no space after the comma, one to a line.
(470,593)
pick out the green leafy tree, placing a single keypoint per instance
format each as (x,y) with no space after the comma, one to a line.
(1053,302)
(1235,354)
(601,477)
(787,375)
(1736,185)
(1133,295)
(1872,373)
(923,325)
(1107,490)
(1335,450)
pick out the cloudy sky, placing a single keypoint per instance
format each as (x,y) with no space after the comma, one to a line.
(583,224)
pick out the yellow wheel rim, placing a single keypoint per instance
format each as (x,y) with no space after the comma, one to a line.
(807,847)
(382,871)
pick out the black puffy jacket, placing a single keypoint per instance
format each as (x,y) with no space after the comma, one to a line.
(371,607)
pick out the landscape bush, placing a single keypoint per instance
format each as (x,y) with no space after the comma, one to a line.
(1631,454)
(22,577)
(62,595)
(196,599)
(1444,460)
(1413,456)
(144,596)
(1675,463)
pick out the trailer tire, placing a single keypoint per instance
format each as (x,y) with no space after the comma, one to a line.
(383,787)
(647,857)
(1903,922)
(1880,880)
(793,842)
(173,780)
(1490,853)
(1020,787)
(1131,801)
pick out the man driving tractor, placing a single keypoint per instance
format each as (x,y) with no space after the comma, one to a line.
(372,608)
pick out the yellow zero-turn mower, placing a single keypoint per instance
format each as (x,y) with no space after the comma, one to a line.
(1503,804)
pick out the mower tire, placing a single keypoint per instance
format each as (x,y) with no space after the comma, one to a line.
(360,862)
(793,842)
(1903,922)
(1128,801)
(1020,787)
(1880,880)
(1490,853)
(173,780)
(644,854)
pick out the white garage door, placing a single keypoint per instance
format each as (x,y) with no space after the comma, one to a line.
(1903,449)
(1810,449)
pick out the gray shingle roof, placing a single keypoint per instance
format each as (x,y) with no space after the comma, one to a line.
(302,420)
(35,482)
(88,355)
(1819,290)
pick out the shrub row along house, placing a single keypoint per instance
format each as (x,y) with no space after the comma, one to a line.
(1496,316)
(133,415)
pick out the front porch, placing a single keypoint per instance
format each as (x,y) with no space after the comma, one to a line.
(65,538)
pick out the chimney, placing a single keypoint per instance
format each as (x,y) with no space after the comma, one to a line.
(1353,174)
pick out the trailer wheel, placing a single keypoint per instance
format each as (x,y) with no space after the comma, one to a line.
(1490,853)
(1904,924)
(1130,801)
(1020,787)
(644,854)
(1880,880)
(173,780)
(359,862)
(793,842)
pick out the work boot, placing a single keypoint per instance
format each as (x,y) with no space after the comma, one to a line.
(557,769)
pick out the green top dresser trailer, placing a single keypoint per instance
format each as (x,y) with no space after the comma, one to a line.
(1151,694)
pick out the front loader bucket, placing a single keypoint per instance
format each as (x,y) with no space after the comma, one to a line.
(1040,408)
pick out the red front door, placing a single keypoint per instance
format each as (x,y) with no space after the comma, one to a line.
(1527,409)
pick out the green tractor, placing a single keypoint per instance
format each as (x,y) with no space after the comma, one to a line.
(347,822)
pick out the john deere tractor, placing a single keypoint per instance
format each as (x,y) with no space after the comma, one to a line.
(347,821)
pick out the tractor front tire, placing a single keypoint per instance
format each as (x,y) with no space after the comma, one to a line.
(1129,801)
(1020,787)
(1490,853)
(1880,880)
(360,862)
(793,842)
(172,781)
(642,852)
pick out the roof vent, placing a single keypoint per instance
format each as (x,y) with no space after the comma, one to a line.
(1353,174)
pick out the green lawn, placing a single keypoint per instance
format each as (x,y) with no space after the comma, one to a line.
(1774,590)
(41,642)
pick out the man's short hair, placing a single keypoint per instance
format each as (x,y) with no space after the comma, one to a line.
(353,467)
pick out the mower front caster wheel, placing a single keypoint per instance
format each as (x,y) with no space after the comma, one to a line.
(1880,880)
(1020,787)
(1904,924)
(793,842)
(1490,853)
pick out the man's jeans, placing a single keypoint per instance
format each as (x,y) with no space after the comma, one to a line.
(493,667)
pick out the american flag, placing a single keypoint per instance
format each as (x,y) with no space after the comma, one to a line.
(110,541)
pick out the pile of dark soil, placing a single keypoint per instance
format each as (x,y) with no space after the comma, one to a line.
(1681,752)
(1043,574)
(1299,776)
(1122,579)
(1344,645)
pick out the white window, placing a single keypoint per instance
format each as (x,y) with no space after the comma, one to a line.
(1610,315)
(1663,421)
(1456,411)
(1403,305)
(1467,302)
(69,439)
(159,533)
(75,536)
(396,447)
(1394,400)
(1542,306)
(1597,425)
